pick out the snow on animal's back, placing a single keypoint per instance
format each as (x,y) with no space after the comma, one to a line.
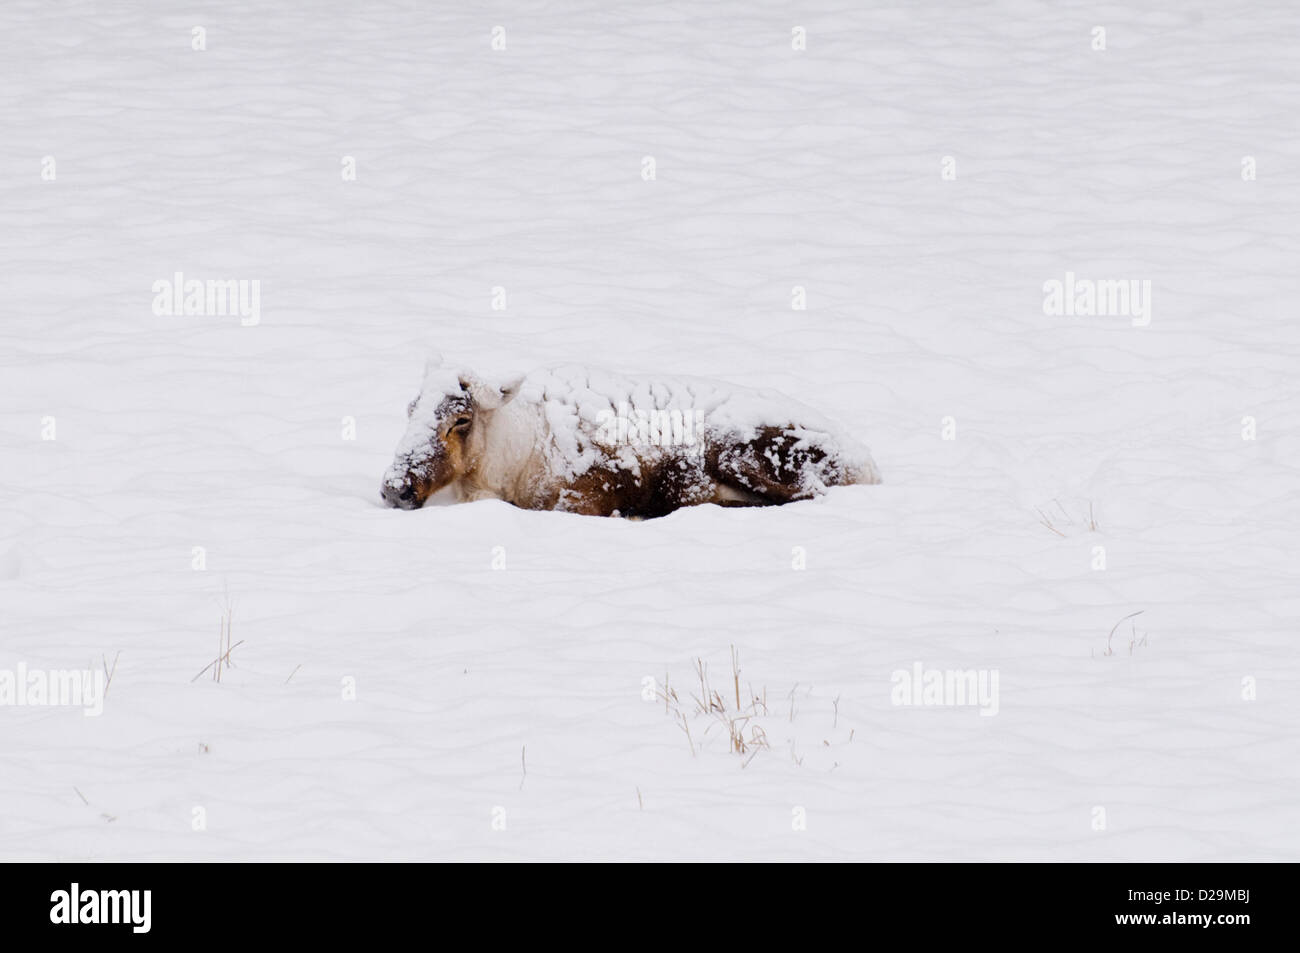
(579,402)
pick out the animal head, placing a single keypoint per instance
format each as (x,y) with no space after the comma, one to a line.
(444,434)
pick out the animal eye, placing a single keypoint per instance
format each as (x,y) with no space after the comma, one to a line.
(461,423)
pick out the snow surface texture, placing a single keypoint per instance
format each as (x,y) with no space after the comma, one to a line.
(498,712)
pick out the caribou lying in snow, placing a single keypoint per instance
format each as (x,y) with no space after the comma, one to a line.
(587,441)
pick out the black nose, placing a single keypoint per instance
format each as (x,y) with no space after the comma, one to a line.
(402,497)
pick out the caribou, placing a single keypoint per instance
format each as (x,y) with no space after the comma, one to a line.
(594,442)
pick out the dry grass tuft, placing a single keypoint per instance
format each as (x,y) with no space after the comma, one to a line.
(224,646)
(730,713)
(1134,641)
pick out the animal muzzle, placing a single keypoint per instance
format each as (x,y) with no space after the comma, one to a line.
(399,489)
(403,497)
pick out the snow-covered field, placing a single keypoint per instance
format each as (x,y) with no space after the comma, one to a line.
(920,171)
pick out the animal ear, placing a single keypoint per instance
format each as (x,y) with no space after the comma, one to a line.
(510,390)
(478,392)
(486,396)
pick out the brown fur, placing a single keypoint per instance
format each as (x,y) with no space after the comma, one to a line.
(737,475)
